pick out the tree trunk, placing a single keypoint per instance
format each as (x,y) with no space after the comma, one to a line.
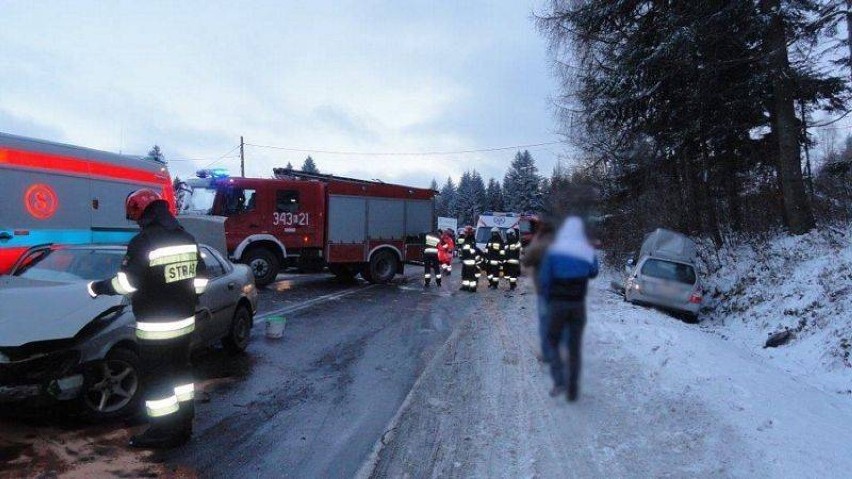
(849,32)
(799,217)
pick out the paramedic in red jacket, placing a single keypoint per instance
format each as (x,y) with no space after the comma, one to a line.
(445,252)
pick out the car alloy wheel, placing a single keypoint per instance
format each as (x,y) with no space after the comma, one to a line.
(113,387)
(240,333)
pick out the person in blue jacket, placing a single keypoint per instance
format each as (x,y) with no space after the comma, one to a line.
(563,280)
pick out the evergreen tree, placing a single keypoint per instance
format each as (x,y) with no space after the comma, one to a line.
(470,200)
(682,108)
(309,166)
(434,185)
(289,166)
(522,185)
(445,205)
(156,154)
(494,196)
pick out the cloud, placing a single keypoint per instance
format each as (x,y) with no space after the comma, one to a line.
(339,75)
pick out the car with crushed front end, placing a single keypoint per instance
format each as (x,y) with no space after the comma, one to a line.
(59,344)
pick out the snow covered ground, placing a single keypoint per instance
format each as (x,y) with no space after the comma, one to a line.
(802,284)
(659,398)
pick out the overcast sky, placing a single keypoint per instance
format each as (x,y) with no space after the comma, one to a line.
(366,76)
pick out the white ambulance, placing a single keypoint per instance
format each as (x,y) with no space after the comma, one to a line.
(489,220)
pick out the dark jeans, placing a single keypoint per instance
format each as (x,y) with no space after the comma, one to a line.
(544,328)
(566,317)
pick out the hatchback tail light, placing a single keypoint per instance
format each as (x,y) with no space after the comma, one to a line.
(695,298)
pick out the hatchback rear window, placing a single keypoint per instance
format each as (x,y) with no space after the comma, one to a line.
(657,268)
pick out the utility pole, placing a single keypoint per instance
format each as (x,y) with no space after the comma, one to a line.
(242,158)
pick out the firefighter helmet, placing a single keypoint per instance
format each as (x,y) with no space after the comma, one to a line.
(468,230)
(138,201)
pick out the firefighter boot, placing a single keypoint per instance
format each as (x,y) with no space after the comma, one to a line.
(438,280)
(163,435)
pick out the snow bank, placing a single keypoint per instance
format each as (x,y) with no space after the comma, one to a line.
(802,284)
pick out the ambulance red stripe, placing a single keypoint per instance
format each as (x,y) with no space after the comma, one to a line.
(77,167)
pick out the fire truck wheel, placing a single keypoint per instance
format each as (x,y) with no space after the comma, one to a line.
(382,267)
(263,264)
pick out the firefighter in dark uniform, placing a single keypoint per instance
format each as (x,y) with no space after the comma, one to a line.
(163,273)
(430,259)
(513,257)
(468,254)
(494,255)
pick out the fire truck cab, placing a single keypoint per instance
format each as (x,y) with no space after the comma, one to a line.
(312,221)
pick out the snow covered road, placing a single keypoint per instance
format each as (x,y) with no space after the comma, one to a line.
(659,399)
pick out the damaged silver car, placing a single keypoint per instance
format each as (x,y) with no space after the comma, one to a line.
(58,344)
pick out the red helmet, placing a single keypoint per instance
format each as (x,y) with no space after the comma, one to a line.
(468,230)
(138,201)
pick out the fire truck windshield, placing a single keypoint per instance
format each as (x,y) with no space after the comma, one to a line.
(196,200)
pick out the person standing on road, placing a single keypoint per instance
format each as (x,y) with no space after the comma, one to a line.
(494,254)
(430,259)
(163,273)
(513,257)
(445,253)
(532,258)
(468,259)
(563,277)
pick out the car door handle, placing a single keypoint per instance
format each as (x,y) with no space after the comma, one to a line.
(232,285)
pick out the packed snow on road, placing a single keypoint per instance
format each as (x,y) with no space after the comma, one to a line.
(659,398)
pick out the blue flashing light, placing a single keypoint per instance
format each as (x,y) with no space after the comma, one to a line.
(213,173)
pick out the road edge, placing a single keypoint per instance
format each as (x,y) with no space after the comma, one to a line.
(368,467)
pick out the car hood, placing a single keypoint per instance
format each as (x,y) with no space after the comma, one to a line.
(41,310)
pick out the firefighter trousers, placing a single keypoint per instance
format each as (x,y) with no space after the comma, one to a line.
(469,281)
(431,267)
(512,269)
(169,390)
(492,269)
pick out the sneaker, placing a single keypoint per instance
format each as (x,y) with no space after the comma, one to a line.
(557,391)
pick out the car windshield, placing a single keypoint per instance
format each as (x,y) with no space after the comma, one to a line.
(70,265)
(196,200)
(657,268)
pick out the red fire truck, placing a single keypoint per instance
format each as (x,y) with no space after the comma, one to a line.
(56,193)
(311,221)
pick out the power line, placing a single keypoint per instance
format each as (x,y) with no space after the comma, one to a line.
(208,165)
(179,160)
(415,153)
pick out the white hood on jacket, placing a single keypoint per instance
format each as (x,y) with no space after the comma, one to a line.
(571,240)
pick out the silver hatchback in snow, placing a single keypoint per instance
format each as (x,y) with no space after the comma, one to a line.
(665,275)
